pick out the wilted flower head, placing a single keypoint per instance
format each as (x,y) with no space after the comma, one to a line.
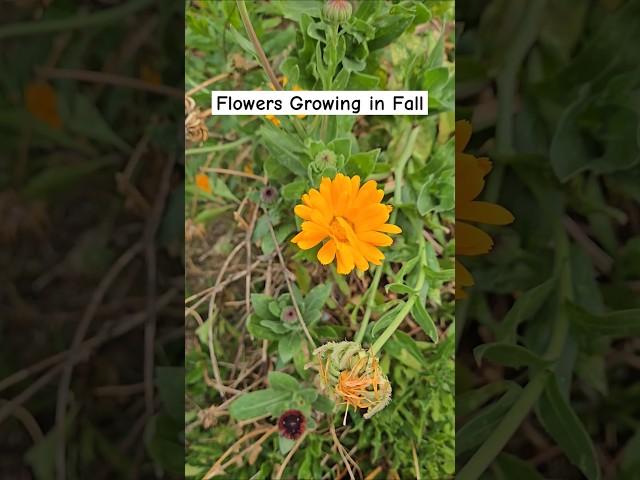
(351,219)
(292,424)
(353,376)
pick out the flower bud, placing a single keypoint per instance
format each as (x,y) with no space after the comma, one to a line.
(269,194)
(288,315)
(292,424)
(336,11)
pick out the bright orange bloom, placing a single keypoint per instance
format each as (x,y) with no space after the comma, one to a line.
(204,183)
(470,240)
(351,219)
(42,103)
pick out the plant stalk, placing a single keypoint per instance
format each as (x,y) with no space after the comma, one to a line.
(264,61)
(83,20)
(393,326)
(405,155)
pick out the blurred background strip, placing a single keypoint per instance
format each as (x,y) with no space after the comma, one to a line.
(91,239)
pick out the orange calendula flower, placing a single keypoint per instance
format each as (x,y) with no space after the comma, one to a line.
(273,119)
(203,182)
(41,101)
(470,240)
(350,218)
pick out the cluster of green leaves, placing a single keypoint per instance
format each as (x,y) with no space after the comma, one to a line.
(573,153)
(267,322)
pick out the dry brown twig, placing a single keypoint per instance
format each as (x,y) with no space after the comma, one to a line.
(80,333)
(289,286)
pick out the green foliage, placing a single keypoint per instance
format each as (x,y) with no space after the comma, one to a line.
(553,298)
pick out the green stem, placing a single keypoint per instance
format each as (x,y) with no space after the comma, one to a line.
(217,148)
(262,57)
(395,323)
(490,449)
(371,298)
(506,428)
(507,86)
(405,155)
(264,61)
(84,20)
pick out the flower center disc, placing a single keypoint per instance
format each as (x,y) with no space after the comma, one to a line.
(338,230)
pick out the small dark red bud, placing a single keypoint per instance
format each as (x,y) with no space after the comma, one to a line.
(292,424)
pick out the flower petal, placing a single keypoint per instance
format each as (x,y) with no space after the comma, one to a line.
(389,228)
(375,238)
(325,191)
(484,212)
(463,134)
(344,257)
(327,253)
(371,217)
(371,253)
(471,240)
(303,212)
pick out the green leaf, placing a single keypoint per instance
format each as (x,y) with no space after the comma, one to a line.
(512,467)
(61,178)
(508,355)
(392,27)
(422,318)
(259,331)
(259,403)
(471,400)
(170,382)
(294,190)
(285,444)
(561,422)
(362,81)
(399,288)
(362,163)
(283,381)
(288,345)
(317,297)
(275,326)
(401,345)
(323,404)
(386,319)
(435,78)
(260,303)
(623,323)
(525,307)
(478,429)
(162,439)
(87,120)
(424,203)
(208,214)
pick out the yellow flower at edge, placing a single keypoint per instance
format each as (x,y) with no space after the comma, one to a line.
(273,119)
(470,240)
(41,101)
(350,218)
(203,182)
